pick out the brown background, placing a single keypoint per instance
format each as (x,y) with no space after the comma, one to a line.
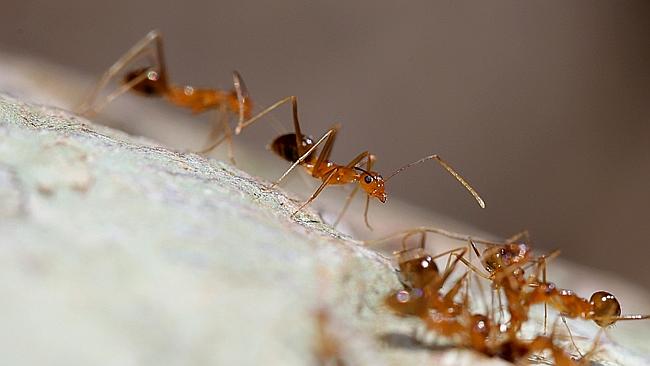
(543,105)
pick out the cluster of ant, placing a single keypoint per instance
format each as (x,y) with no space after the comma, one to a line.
(510,267)
(512,272)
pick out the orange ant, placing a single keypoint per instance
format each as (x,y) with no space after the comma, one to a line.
(420,275)
(153,81)
(506,267)
(440,312)
(602,307)
(504,262)
(489,338)
(479,333)
(300,150)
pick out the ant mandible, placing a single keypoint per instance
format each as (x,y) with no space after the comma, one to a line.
(301,150)
(153,81)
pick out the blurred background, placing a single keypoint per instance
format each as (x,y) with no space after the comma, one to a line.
(542,105)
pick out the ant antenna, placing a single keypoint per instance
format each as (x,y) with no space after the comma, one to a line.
(449,169)
(631,317)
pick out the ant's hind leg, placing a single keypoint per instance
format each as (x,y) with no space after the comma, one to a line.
(214,140)
(242,95)
(141,48)
(243,124)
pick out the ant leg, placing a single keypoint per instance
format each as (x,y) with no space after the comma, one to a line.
(423,240)
(365,213)
(349,198)
(501,312)
(522,234)
(594,346)
(493,307)
(243,124)
(573,342)
(113,95)
(474,269)
(242,95)
(228,134)
(219,124)
(407,235)
(542,263)
(324,155)
(140,48)
(364,155)
(317,192)
(450,270)
(331,132)
(451,252)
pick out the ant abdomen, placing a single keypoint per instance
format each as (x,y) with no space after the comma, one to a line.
(605,307)
(285,147)
(149,85)
(413,302)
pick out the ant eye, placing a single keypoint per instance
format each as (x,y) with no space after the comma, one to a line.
(367,179)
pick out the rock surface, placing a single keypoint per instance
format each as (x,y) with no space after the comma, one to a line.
(117,251)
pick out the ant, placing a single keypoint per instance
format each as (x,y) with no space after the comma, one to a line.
(489,338)
(440,312)
(300,150)
(153,81)
(506,267)
(503,261)
(479,333)
(603,308)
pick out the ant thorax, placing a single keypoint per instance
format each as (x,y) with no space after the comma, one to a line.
(417,269)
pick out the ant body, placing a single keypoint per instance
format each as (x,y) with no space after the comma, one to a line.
(153,81)
(505,264)
(300,150)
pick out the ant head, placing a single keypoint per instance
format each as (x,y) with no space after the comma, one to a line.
(499,257)
(417,269)
(149,84)
(373,184)
(605,308)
